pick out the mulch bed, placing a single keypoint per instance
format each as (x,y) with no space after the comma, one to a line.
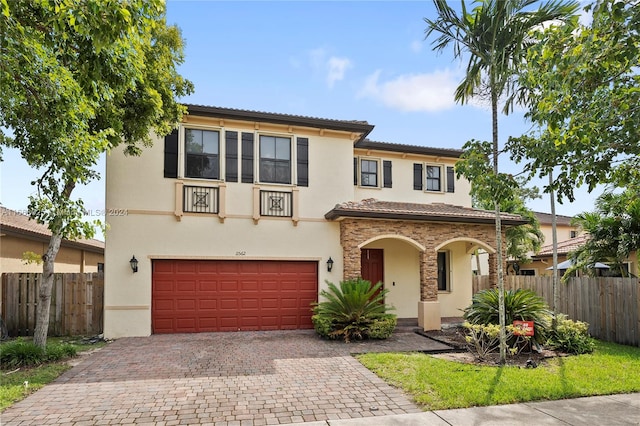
(455,337)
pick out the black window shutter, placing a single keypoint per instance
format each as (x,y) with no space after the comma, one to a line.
(386,173)
(171,155)
(355,171)
(231,156)
(247,157)
(417,176)
(303,161)
(451,180)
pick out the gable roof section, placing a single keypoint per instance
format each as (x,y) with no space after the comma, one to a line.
(433,212)
(564,247)
(356,126)
(409,149)
(20,225)
(546,219)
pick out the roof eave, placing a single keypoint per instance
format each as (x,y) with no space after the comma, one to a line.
(36,236)
(320,123)
(339,213)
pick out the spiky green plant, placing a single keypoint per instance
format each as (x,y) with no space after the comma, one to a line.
(349,309)
(521,304)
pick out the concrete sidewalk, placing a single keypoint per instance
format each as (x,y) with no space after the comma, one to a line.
(607,410)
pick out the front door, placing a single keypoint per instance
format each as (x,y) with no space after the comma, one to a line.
(372,265)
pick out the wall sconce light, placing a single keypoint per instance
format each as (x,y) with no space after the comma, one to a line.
(329,264)
(134,264)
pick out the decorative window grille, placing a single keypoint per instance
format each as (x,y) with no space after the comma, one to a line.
(200,199)
(276,203)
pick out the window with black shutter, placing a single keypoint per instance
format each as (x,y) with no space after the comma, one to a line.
(231,156)
(451,180)
(386,173)
(303,161)
(247,158)
(171,155)
(202,154)
(417,176)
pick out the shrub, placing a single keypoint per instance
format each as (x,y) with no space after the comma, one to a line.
(571,336)
(520,304)
(382,328)
(350,310)
(56,352)
(484,339)
(19,353)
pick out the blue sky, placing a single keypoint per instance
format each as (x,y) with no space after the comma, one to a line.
(353,60)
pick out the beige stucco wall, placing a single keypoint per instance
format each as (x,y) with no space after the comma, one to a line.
(402,174)
(149,228)
(68,260)
(563,233)
(452,302)
(401,275)
(146,224)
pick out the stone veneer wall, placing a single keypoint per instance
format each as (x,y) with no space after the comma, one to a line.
(354,232)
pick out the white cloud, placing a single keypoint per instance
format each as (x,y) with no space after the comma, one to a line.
(413,92)
(337,67)
(416,45)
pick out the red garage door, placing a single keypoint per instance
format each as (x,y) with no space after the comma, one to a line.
(192,296)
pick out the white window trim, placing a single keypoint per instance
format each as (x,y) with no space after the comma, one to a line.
(379,177)
(182,151)
(293,158)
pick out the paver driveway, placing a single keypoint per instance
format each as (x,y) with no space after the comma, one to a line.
(252,378)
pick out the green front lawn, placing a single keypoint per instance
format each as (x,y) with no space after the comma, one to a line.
(17,384)
(438,384)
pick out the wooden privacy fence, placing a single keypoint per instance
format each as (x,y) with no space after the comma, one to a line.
(76,303)
(611,306)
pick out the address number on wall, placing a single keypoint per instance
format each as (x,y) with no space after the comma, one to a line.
(241,253)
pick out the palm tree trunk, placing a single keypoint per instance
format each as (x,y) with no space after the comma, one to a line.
(554,239)
(501,308)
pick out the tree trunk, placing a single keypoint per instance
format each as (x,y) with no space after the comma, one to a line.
(501,308)
(477,253)
(44,296)
(554,239)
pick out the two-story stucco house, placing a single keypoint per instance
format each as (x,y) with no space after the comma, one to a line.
(238,218)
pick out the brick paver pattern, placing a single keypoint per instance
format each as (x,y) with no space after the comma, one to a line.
(244,378)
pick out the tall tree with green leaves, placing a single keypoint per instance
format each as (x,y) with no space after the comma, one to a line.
(79,78)
(581,89)
(613,230)
(494,37)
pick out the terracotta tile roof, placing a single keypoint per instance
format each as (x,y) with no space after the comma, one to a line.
(564,247)
(412,149)
(15,222)
(546,219)
(357,126)
(433,212)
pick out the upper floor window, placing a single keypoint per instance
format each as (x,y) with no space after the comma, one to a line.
(369,173)
(573,234)
(275,159)
(202,149)
(434,178)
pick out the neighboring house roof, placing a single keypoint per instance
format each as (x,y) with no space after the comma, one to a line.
(547,218)
(17,224)
(433,212)
(277,118)
(410,149)
(564,247)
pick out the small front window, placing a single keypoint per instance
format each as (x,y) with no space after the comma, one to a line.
(275,159)
(434,178)
(202,149)
(369,173)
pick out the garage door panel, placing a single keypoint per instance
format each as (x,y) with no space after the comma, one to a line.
(197,296)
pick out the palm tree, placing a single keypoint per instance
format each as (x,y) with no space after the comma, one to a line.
(495,37)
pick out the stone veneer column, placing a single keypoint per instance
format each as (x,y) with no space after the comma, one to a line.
(429,306)
(351,254)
